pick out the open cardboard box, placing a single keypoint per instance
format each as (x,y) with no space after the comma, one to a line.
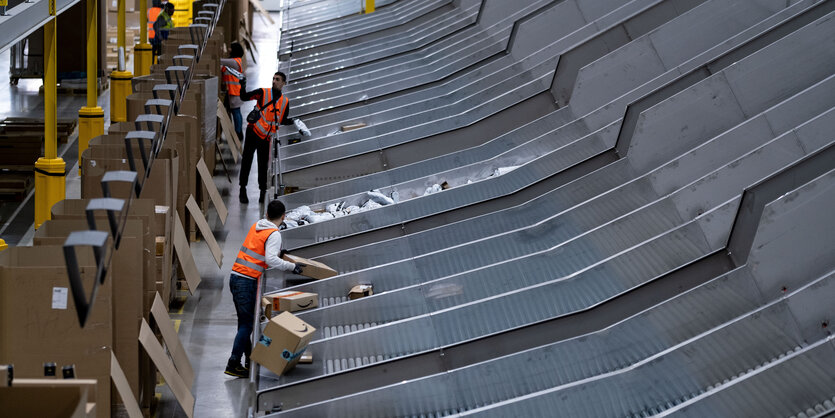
(48,398)
(39,324)
(127,287)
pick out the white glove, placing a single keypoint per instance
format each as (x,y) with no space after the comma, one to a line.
(301,127)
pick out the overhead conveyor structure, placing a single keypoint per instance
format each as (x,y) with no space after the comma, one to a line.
(637,218)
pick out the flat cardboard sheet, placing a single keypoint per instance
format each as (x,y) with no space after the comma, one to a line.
(172,341)
(263,12)
(228,131)
(166,368)
(184,254)
(214,194)
(205,230)
(122,385)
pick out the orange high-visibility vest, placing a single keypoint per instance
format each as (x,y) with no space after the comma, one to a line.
(153,14)
(233,84)
(251,261)
(271,116)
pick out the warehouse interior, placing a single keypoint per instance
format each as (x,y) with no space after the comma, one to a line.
(533,208)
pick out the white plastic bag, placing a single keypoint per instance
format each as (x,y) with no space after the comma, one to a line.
(301,127)
(380,198)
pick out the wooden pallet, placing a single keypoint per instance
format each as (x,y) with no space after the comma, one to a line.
(79,90)
(15,186)
(14,127)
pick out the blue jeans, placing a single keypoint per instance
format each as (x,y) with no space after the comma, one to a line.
(238,121)
(244,291)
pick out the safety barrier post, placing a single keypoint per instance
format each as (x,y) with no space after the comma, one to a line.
(120,79)
(90,117)
(49,170)
(142,50)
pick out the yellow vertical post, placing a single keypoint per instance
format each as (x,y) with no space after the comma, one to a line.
(142,50)
(49,169)
(91,117)
(369,6)
(120,79)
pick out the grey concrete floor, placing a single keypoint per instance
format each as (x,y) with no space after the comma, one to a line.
(207,320)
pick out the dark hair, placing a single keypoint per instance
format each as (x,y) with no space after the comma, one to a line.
(169,4)
(236,50)
(283,76)
(275,209)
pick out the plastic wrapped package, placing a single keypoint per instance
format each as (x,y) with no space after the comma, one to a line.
(379,198)
(435,188)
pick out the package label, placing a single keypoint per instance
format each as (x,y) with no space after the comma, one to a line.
(59,297)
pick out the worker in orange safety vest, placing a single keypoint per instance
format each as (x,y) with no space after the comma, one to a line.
(272,109)
(153,14)
(261,249)
(232,75)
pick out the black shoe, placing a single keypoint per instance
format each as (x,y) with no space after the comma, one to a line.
(242,197)
(261,196)
(234,368)
(246,366)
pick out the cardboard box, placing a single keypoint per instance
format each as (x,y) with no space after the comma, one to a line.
(352,126)
(39,324)
(47,398)
(306,358)
(142,209)
(127,287)
(291,301)
(282,343)
(360,291)
(312,269)
(268,307)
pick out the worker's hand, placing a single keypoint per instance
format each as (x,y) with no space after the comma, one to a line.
(298,268)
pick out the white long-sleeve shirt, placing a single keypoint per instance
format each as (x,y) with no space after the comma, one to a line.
(273,247)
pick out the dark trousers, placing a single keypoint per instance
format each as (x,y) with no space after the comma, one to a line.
(244,291)
(238,121)
(253,143)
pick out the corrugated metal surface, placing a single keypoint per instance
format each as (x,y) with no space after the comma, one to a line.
(695,102)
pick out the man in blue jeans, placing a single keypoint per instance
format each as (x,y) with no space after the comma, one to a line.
(261,249)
